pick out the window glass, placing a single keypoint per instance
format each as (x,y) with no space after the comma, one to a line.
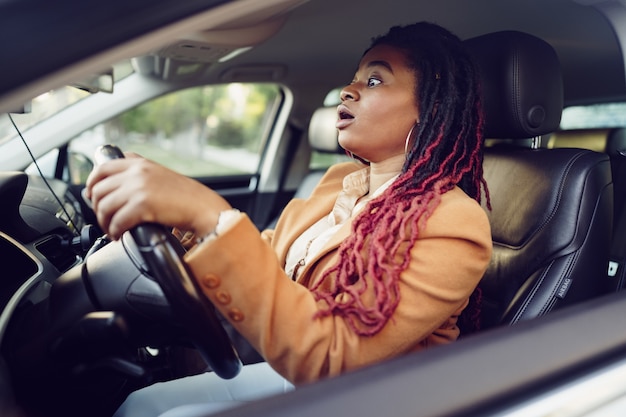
(50,103)
(40,108)
(200,132)
(322,160)
(589,127)
(594,116)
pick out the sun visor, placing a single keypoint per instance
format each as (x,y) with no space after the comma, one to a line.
(190,55)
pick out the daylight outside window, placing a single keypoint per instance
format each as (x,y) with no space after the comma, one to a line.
(50,103)
(200,132)
(605,115)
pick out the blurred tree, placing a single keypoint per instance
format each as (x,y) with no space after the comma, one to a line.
(230,115)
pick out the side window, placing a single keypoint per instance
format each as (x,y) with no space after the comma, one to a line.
(204,131)
(598,127)
(321,160)
(595,116)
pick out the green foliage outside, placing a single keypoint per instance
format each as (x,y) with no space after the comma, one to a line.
(184,130)
(226,115)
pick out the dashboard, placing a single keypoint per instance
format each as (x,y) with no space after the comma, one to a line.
(78,311)
(39,226)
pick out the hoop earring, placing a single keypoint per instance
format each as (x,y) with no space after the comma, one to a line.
(408,138)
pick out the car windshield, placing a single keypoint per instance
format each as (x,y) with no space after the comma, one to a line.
(50,103)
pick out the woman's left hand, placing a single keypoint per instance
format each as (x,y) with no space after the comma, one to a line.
(130,191)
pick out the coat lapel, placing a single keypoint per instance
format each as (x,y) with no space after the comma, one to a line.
(299,215)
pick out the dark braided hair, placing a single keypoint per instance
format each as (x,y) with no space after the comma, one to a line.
(445,151)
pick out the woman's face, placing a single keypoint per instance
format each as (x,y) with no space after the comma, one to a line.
(378,109)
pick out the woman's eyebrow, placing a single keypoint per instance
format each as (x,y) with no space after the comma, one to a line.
(384,64)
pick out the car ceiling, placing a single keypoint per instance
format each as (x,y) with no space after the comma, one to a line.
(319,44)
(329,36)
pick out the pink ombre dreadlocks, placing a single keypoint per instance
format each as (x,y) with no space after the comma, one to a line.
(446,151)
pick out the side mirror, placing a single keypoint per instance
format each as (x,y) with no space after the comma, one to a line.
(79,167)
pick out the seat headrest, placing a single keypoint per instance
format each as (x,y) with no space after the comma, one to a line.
(322,130)
(522,84)
(522,89)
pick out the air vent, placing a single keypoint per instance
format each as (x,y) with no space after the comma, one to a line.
(59,255)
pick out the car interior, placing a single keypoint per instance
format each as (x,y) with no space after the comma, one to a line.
(556,204)
(552,254)
(561,198)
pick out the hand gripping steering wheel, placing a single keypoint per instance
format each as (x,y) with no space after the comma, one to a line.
(163,255)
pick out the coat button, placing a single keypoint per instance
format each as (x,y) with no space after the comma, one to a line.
(222,297)
(235,314)
(210,281)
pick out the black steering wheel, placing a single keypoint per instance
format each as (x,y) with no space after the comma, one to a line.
(163,255)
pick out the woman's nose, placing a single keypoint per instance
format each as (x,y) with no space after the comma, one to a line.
(349,93)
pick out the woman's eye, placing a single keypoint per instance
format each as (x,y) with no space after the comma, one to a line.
(373,82)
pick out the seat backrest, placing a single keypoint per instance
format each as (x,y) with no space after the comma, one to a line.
(616,149)
(551,215)
(322,135)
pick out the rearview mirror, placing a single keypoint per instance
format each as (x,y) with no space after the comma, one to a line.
(98,82)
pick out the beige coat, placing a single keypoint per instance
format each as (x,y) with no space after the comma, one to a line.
(242,273)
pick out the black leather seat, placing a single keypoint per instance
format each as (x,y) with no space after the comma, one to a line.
(616,149)
(551,213)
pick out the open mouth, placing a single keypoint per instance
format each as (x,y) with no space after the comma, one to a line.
(344,117)
(344,113)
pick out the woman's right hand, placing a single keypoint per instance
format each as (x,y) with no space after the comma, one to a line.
(134,190)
